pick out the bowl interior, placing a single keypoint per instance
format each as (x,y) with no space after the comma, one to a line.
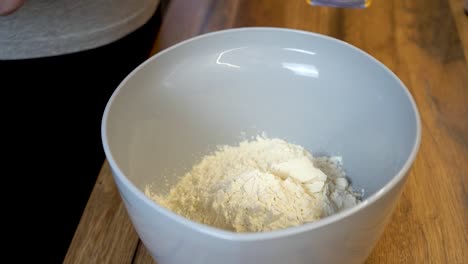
(308,89)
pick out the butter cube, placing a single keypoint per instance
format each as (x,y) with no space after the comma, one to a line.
(301,170)
(314,187)
(341,183)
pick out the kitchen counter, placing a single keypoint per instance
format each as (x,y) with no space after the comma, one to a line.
(425,42)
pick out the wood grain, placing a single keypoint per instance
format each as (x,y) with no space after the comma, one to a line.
(425,42)
(142,255)
(105,234)
(461,20)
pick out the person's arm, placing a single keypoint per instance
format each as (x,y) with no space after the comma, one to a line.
(9,6)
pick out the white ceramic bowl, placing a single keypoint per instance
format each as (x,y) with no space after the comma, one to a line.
(309,89)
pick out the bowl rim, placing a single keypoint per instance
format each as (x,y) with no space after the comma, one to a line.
(255,236)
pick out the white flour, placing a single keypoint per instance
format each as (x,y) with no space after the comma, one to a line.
(260,185)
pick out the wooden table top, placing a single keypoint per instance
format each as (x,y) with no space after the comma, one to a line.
(425,42)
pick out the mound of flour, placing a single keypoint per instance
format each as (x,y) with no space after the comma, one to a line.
(260,185)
